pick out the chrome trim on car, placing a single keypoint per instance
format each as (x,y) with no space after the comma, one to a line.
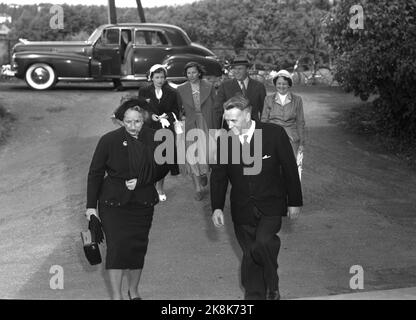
(74,79)
(133,77)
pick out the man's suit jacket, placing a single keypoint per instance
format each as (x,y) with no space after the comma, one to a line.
(207,100)
(271,191)
(256,92)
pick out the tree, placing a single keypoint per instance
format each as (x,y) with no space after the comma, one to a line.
(379,59)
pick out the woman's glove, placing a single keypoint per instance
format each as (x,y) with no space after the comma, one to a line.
(163,119)
(96,231)
(131,184)
(91,212)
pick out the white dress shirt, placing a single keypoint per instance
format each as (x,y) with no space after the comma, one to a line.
(158,93)
(249,133)
(245,83)
(282,98)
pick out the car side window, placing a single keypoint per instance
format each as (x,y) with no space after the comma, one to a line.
(150,38)
(140,38)
(161,39)
(125,36)
(110,37)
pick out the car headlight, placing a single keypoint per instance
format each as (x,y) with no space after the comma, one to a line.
(13,62)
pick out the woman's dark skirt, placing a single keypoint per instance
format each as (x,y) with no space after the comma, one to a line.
(127,235)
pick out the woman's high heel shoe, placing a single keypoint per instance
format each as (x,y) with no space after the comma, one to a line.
(135,298)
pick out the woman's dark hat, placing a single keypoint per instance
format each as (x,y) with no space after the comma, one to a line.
(129,103)
(240,61)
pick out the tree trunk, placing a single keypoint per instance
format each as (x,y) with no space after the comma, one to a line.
(112,14)
(141,11)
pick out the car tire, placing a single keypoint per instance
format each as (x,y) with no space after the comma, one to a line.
(40,76)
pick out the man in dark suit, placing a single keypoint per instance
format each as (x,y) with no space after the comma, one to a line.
(252,89)
(258,199)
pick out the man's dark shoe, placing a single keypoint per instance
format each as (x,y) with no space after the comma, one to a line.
(272,295)
(254,296)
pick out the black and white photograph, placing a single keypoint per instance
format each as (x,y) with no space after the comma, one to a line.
(223,151)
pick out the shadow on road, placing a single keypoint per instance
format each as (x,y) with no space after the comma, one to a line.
(67,220)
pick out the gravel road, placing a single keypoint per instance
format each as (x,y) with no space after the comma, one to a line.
(360,208)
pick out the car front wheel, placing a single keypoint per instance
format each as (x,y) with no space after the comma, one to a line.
(40,76)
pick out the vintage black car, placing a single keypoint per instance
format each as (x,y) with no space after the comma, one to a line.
(124,51)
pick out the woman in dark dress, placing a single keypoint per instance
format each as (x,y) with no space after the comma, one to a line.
(121,184)
(163,103)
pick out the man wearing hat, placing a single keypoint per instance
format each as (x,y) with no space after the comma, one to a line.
(251,89)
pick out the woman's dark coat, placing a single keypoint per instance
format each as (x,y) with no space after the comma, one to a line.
(110,169)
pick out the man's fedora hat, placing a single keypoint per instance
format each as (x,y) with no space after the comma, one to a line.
(240,61)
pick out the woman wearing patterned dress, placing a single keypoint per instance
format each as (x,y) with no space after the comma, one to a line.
(197,96)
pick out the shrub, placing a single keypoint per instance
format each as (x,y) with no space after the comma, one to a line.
(379,59)
(5,121)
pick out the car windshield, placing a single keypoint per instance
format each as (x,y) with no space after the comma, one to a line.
(95,35)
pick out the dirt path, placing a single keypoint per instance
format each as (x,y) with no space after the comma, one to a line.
(360,209)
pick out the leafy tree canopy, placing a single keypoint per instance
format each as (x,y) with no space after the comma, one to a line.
(379,59)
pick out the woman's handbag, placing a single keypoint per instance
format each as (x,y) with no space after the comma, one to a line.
(91,239)
(91,249)
(178,125)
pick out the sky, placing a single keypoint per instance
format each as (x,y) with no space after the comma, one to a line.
(119,3)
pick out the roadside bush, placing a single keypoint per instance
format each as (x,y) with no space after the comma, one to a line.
(5,120)
(362,120)
(379,59)
(4,54)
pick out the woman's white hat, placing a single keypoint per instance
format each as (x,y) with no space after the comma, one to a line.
(157,66)
(283,73)
(154,68)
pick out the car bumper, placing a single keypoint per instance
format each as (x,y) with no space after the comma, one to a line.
(7,71)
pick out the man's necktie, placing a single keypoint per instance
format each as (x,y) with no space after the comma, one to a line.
(243,88)
(245,139)
(245,148)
